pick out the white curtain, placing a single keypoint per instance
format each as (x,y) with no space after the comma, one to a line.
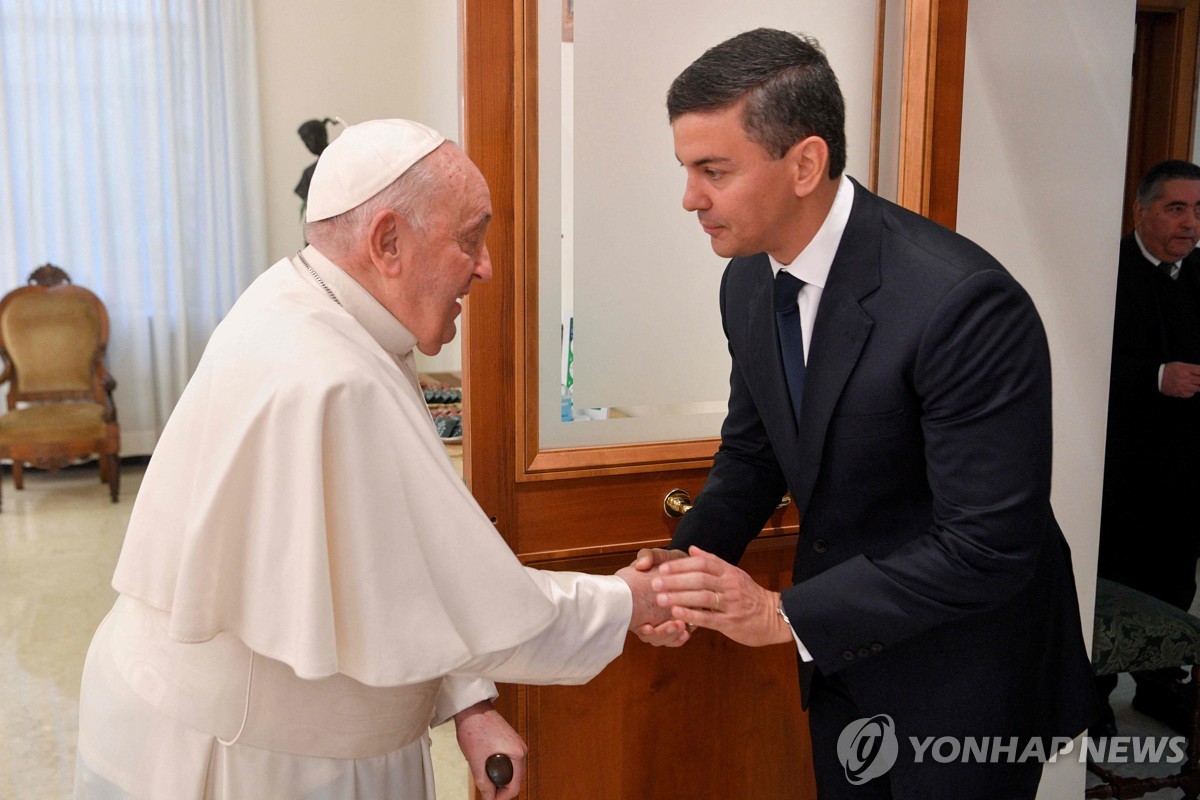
(130,156)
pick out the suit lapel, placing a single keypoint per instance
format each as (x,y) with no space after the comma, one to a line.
(839,334)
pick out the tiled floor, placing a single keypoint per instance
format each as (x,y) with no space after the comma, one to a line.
(1132,723)
(59,542)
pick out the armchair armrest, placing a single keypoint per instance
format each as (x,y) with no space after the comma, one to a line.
(103,386)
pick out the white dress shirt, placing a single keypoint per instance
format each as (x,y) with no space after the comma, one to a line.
(813,263)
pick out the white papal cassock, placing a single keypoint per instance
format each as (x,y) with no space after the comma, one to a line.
(306,584)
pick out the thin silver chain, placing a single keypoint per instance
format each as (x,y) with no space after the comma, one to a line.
(317,278)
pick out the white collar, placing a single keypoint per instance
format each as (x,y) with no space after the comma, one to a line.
(384,328)
(1137,237)
(813,263)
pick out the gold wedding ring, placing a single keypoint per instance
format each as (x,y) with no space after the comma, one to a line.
(717,599)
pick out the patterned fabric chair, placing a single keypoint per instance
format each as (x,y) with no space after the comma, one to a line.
(53,337)
(1136,632)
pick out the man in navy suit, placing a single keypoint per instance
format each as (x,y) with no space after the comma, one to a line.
(896,380)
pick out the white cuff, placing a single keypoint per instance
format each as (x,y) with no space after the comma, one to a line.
(805,656)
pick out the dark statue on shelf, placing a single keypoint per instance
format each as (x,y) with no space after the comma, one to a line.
(316,138)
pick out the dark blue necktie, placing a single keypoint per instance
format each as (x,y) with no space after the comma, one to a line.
(791,336)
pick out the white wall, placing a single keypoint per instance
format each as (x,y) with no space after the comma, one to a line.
(1045,119)
(362,60)
(890,100)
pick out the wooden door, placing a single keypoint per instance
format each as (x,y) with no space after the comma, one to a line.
(1162,102)
(712,719)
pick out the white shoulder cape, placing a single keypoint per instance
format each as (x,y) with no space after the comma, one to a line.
(300,499)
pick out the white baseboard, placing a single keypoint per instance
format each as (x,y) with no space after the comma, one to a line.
(138,443)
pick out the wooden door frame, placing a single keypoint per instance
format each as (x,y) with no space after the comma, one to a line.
(935,44)
(1182,100)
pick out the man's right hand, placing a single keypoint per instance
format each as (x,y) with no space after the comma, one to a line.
(650,557)
(1180,379)
(646,611)
(673,632)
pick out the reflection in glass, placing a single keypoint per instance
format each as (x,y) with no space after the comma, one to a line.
(628,285)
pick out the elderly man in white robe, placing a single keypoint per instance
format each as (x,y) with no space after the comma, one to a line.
(306,584)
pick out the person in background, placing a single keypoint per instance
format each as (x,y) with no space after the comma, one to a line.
(1148,539)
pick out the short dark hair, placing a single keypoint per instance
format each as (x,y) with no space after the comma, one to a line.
(790,90)
(1150,187)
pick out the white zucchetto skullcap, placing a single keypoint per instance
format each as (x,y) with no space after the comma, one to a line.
(357,165)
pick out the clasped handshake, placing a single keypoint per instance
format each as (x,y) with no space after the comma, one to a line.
(675,592)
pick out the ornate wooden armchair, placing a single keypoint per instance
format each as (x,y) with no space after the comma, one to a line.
(53,337)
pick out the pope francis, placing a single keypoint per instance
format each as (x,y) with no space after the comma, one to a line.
(306,584)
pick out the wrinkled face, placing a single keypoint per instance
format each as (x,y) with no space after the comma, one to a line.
(450,254)
(741,195)
(1170,225)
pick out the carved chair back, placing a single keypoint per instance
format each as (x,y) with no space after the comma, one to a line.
(53,338)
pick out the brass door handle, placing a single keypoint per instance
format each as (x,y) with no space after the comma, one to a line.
(678,502)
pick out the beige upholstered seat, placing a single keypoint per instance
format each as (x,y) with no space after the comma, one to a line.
(1134,632)
(53,337)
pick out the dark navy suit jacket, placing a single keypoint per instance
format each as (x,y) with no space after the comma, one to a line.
(931,577)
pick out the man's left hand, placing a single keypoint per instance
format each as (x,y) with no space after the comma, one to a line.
(482,732)
(705,591)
